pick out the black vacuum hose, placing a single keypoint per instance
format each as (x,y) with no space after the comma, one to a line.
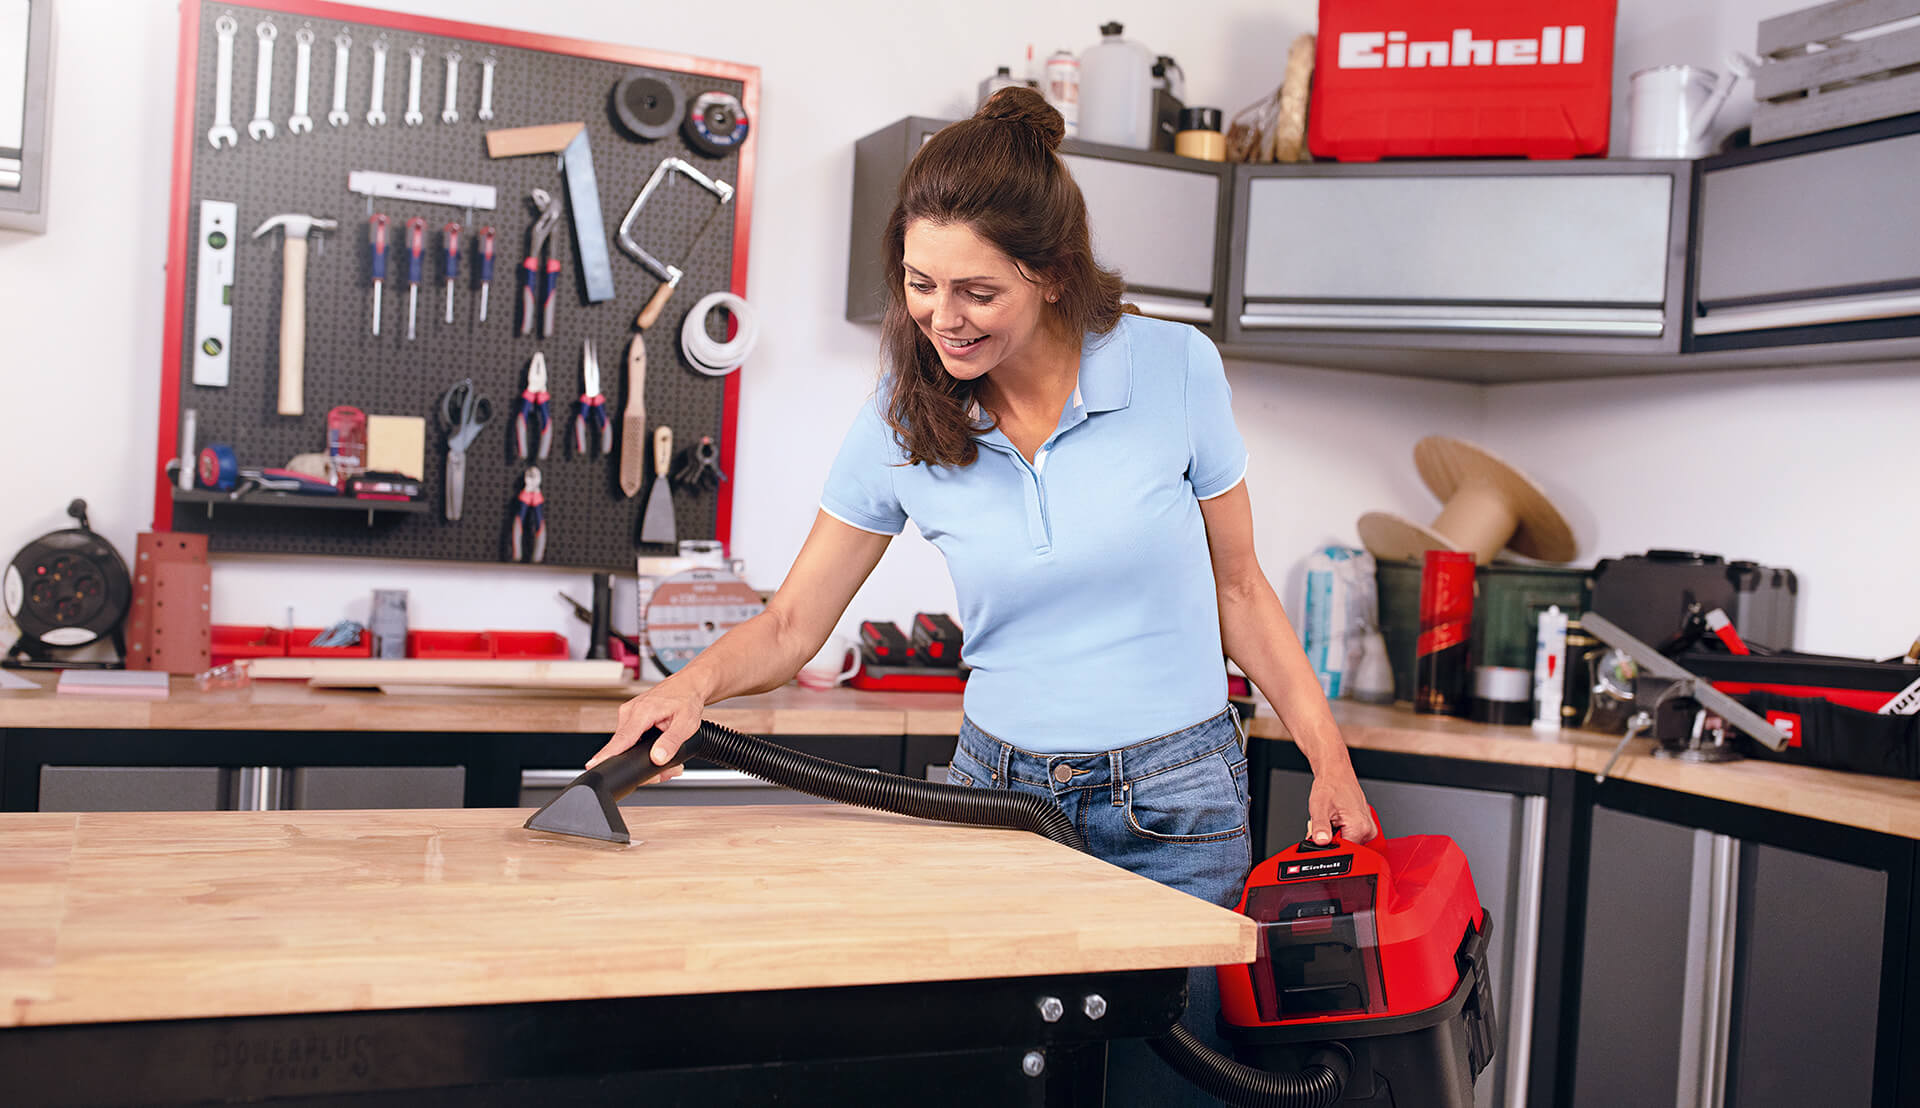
(1319,1085)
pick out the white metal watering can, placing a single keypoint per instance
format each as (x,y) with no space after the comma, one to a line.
(1670,108)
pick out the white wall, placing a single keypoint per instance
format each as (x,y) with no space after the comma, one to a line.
(80,308)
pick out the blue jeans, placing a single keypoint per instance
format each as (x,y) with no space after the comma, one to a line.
(1171,808)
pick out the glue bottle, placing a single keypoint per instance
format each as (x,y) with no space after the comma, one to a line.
(1549,669)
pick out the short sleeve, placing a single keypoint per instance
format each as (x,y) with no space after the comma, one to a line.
(859,489)
(1216,455)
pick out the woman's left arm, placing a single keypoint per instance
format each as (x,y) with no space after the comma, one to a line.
(1258,637)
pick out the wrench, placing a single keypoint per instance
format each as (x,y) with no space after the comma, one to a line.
(262,127)
(448,113)
(377,113)
(413,116)
(299,123)
(222,129)
(486,88)
(342,44)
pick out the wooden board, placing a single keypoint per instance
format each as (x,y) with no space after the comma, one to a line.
(134,916)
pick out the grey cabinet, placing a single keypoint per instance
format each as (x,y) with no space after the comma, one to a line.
(1815,240)
(134,788)
(1459,258)
(1155,217)
(339,787)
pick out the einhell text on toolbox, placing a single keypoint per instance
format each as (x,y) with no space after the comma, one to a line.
(1480,78)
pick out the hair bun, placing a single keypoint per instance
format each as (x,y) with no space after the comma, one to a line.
(1023,107)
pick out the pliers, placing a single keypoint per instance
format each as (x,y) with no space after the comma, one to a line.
(590,424)
(532,424)
(529,542)
(532,299)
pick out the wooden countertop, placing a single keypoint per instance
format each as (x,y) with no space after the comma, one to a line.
(130,916)
(1856,800)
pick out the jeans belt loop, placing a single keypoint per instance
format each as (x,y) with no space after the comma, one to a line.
(1239,728)
(1117,775)
(1004,771)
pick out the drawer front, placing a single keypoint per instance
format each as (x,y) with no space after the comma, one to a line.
(1157,226)
(131,789)
(360,787)
(1811,226)
(1460,240)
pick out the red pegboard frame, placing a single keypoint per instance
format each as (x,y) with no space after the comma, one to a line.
(180,194)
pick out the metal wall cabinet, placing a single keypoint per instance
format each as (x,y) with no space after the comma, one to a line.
(1156,217)
(26,112)
(1358,265)
(1812,241)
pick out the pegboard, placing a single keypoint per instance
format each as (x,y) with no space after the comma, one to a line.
(536,80)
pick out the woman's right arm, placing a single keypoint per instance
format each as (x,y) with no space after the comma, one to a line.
(763,653)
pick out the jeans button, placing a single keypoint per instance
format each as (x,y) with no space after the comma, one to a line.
(1062,772)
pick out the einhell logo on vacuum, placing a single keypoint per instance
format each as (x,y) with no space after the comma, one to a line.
(1318,867)
(1477,78)
(1391,50)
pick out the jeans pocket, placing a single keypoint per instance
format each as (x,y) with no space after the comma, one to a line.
(1200,801)
(965,769)
(957,776)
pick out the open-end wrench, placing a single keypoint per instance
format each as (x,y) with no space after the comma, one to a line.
(376,109)
(222,130)
(299,123)
(486,88)
(449,113)
(262,127)
(415,53)
(342,53)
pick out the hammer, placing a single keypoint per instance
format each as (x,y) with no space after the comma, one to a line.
(293,304)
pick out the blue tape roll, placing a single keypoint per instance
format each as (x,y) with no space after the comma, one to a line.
(218,467)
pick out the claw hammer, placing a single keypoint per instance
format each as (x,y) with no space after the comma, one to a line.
(293,304)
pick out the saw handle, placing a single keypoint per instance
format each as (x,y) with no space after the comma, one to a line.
(651,312)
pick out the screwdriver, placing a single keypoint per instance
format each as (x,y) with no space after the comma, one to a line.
(416,244)
(377,233)
(451,266)
(486,268)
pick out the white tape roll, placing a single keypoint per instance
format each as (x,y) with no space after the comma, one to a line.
(717,359)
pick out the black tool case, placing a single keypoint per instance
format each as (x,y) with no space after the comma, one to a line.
(1649,594)
(1827,706)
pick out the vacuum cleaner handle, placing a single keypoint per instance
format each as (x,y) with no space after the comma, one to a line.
(634,766)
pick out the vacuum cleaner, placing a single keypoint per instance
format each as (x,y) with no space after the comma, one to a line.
(1371,985)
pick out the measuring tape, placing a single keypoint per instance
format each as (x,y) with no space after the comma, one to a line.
(712,358)
(689,611)
(716,124)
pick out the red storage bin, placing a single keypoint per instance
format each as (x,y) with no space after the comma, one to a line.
(299,642)
(1476,78)
(446,645)
(535,645)
(228,642)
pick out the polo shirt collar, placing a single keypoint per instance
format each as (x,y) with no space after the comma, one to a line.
(1106,375)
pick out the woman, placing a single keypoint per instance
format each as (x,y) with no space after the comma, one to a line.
(1080,470)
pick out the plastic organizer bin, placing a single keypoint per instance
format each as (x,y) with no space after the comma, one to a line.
(533,645)
(447,645)
(300,638)
(229,642)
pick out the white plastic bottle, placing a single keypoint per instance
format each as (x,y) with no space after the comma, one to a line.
(1116,91)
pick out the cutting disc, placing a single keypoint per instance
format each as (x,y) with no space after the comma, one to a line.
(690,610)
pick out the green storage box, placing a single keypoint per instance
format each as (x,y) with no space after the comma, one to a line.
(1507,602)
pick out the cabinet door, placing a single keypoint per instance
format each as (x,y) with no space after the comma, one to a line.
(1160,227)
(360,787)
(132,788)
(1824,237)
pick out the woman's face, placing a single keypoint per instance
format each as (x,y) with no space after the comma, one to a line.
(970,299)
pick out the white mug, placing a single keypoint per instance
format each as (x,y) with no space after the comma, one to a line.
(835,664)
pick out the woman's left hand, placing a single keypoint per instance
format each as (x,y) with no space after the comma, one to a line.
(1337,801)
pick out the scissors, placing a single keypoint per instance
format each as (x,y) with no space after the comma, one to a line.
(463,412)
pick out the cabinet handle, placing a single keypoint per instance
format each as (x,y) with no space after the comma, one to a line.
(1637,322)
(1166,307)
(1805,313)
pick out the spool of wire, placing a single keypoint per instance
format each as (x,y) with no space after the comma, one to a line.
(717,359)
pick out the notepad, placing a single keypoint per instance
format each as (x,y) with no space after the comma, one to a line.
(114,682)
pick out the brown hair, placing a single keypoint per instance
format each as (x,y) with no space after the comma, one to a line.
(998,174)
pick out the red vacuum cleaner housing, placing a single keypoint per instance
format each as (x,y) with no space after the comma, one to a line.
(1380,948)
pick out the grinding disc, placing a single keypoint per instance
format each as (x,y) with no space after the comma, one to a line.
(648,107)
(1450,465)
(690,611)
(716,124)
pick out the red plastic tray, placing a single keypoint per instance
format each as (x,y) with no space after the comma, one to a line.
(449,644)
(528,644)
(230,641)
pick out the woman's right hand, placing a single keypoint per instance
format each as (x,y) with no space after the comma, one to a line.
(670,706)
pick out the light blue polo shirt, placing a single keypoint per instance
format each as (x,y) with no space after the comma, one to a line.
(1083,579)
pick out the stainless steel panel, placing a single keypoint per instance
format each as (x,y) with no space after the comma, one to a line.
(338,787)
(1637,322)
(1835,218)
(1157,226)
(1460,239)
(1805,313)
(130,789)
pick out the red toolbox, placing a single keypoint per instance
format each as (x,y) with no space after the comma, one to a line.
(1479,78)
